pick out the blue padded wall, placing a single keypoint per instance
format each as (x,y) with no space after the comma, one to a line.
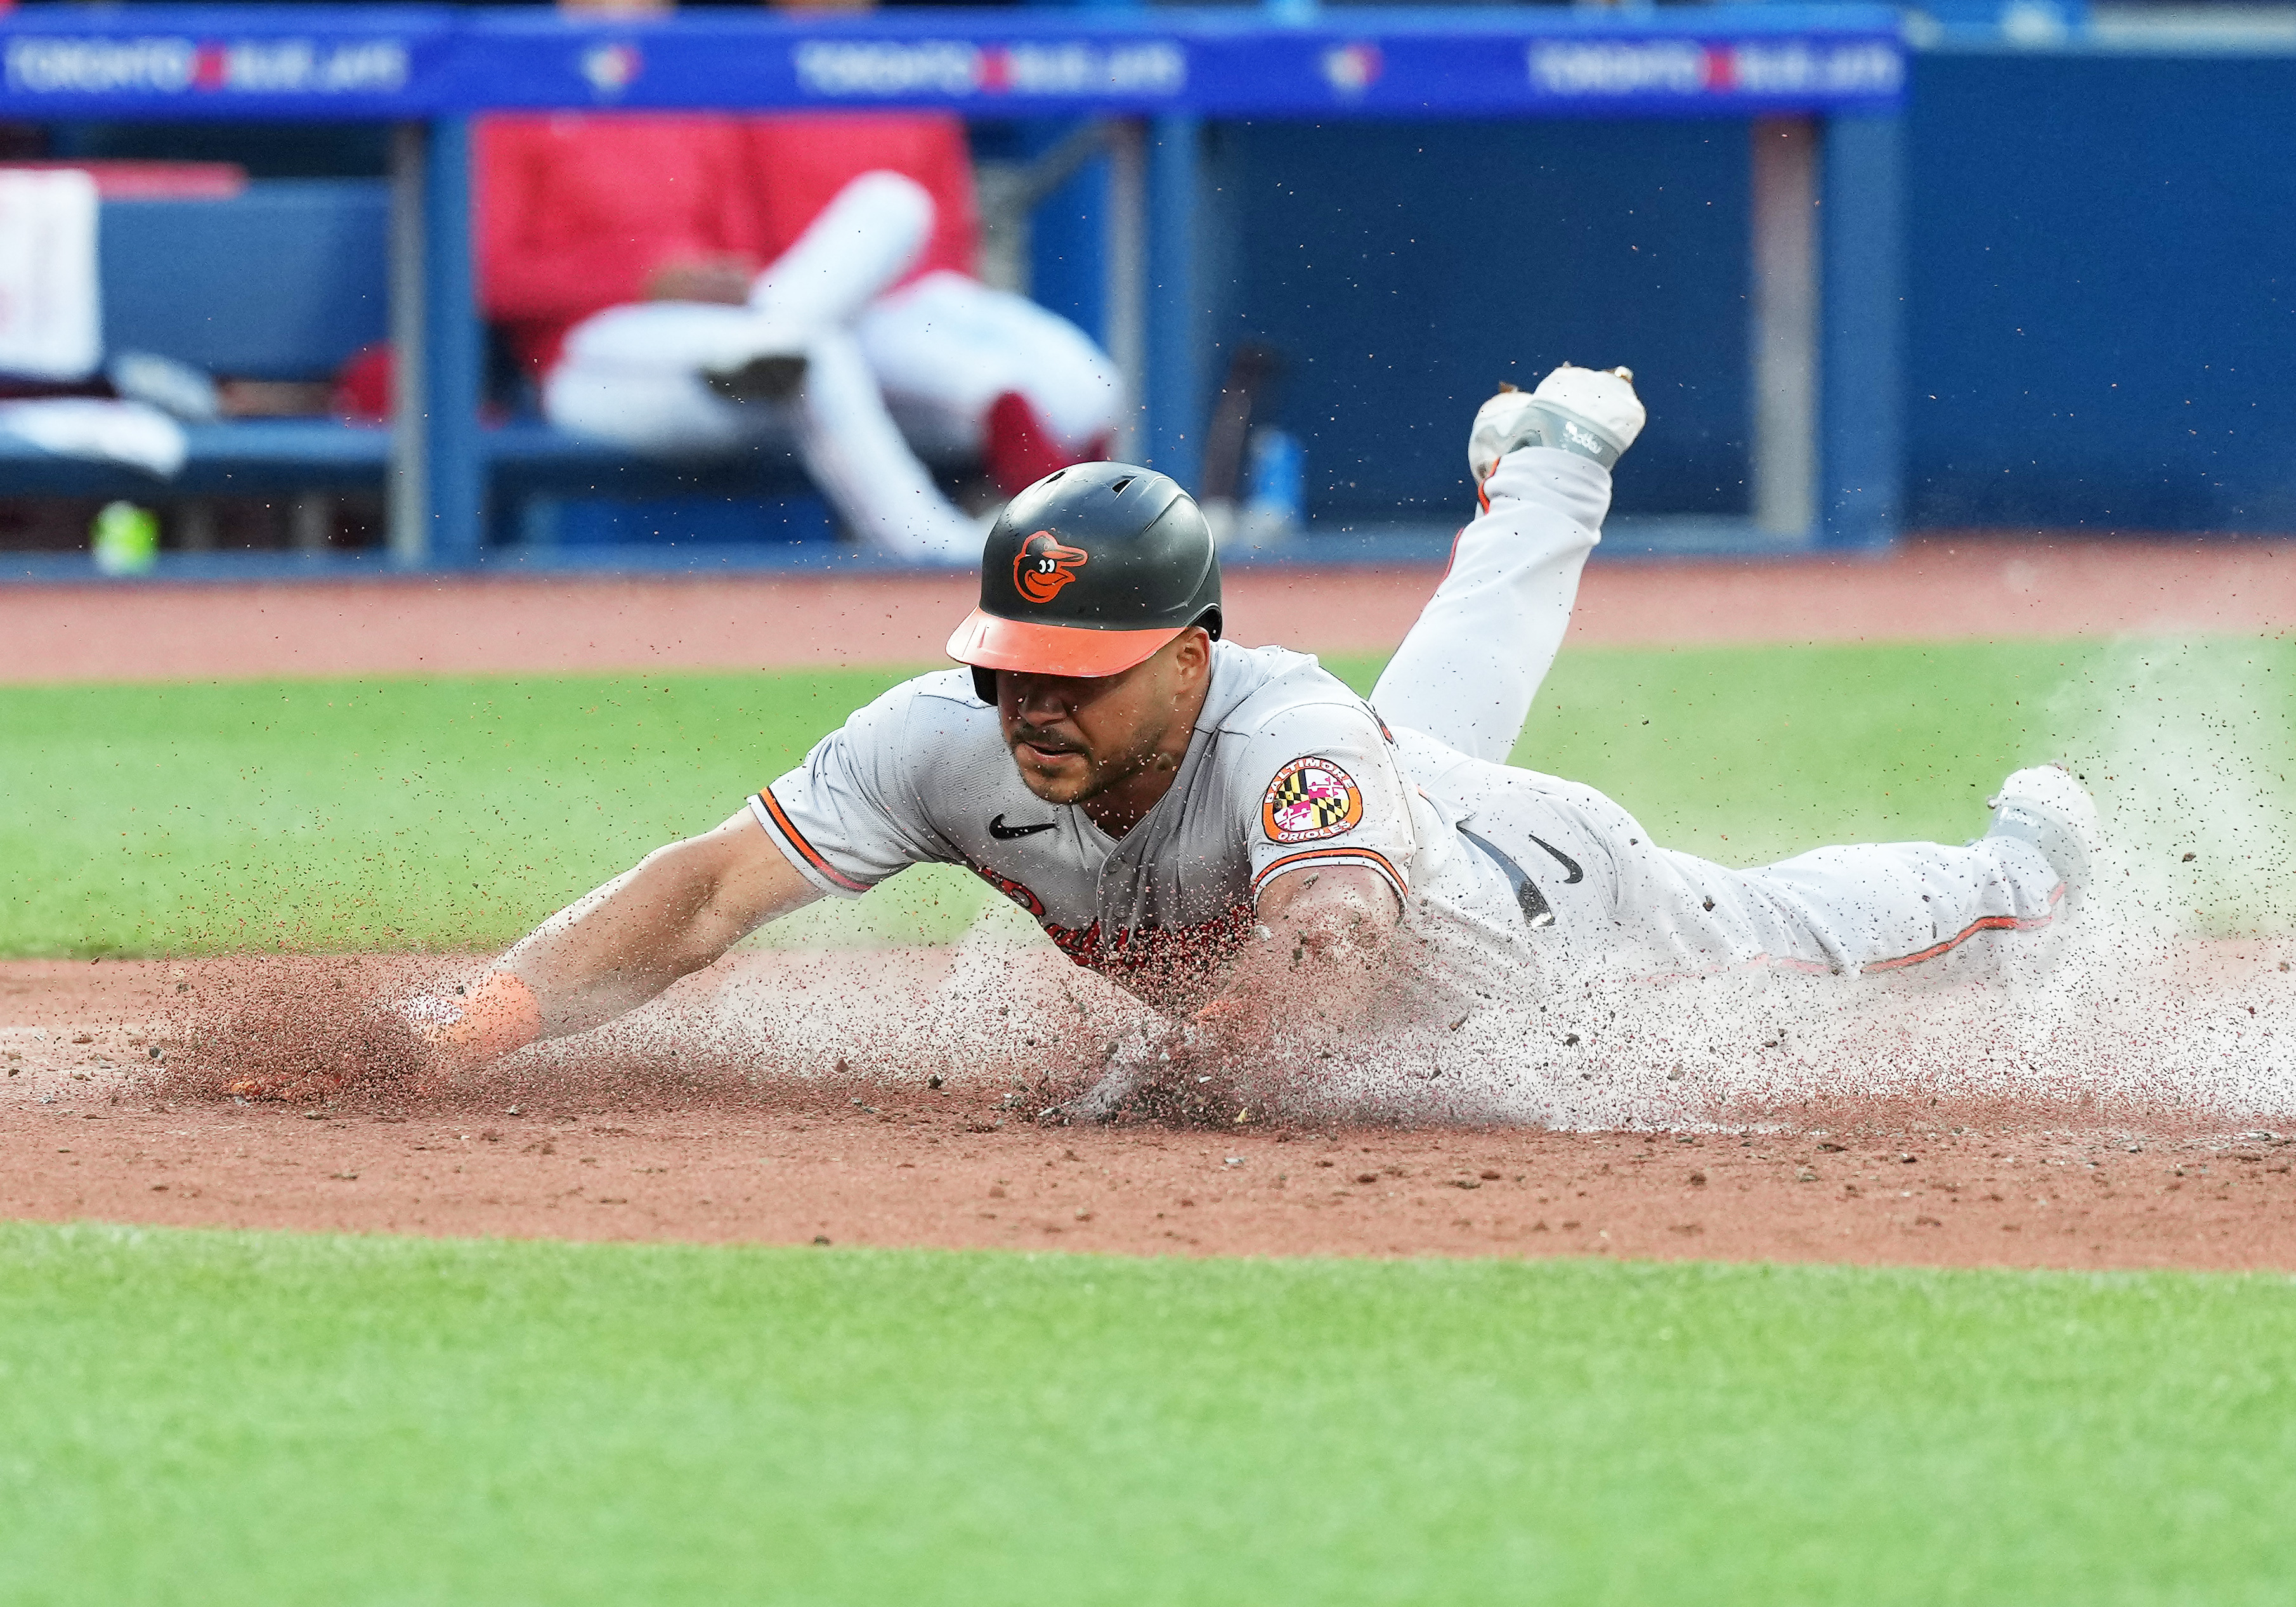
(2099,323)
(2101,256)
(1403,270)
(282,282)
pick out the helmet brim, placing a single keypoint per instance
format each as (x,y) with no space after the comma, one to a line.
(988,640)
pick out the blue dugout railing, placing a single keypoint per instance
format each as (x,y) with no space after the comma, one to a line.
(1825,84)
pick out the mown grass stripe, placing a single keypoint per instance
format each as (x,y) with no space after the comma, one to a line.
(453,813)
(209,1417)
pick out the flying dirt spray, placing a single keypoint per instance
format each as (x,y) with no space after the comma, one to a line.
(2166,998)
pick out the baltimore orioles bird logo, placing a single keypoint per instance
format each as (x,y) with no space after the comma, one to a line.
(1044,566)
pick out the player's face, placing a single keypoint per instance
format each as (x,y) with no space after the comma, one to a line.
(1076,738)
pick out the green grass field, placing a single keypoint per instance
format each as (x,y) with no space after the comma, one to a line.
(226,1418)
(457,813)
(192,1418)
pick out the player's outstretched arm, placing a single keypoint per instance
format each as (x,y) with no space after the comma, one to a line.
(673,913)
(1310,972)
(1314,965)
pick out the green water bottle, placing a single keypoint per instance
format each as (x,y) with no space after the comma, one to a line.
(126,538)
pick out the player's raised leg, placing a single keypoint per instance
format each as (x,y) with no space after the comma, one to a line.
(633,375)
(1468,670)
(857,249)
(1878,908)
(855,453)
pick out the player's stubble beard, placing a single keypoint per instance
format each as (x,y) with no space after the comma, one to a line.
(1110,744)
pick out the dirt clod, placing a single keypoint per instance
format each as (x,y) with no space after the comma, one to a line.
(296,1031)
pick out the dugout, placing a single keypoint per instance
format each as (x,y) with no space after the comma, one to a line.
(1197,113)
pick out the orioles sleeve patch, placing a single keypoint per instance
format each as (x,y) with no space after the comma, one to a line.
(1309,799)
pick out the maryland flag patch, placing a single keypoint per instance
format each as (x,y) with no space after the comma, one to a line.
(1309,799)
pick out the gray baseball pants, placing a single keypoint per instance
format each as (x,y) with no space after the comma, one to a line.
(1466,677)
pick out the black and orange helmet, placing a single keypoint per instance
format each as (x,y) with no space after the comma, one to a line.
(1087,573)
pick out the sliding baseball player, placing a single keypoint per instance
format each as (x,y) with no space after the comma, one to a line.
(1274,863)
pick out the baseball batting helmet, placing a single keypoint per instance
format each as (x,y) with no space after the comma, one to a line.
(1087,573)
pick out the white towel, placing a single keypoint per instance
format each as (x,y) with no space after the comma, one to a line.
(127,432)
(51,325)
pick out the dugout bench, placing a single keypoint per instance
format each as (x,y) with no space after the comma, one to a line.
(284,281)
(1824,83)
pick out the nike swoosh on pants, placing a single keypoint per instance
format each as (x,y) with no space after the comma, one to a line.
(1562,858)
(1535,907)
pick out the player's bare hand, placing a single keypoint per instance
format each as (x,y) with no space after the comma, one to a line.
(412,1047)
(473,1023)
(722,280)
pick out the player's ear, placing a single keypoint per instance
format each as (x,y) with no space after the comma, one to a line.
(1193,652)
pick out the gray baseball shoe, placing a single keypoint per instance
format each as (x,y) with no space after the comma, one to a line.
(1593,412)
(2047,806)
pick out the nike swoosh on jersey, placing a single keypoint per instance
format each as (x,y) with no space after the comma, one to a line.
(1561,858)
(1004,833)
(1535,908)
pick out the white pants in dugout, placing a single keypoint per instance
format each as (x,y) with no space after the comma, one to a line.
(1466,677)
(922,365)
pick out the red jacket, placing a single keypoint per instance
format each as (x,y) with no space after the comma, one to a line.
(577,209)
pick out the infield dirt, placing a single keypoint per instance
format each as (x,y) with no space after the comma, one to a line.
(693,1135)
(697,1146)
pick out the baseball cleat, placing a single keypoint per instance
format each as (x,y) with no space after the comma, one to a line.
(774,377)
(1592,412)
(766,362)
(2047,806)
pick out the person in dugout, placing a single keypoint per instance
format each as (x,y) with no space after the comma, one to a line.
(690,284)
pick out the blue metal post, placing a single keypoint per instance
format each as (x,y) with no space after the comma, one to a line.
(1175,378)
(454,351)
(1861,440)
(1068,270)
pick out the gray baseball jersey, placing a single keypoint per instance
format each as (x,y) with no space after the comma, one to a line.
(1287,769)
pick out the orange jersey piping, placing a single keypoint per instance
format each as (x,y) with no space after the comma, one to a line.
(1982,923)
(795,839)
(1372,857)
